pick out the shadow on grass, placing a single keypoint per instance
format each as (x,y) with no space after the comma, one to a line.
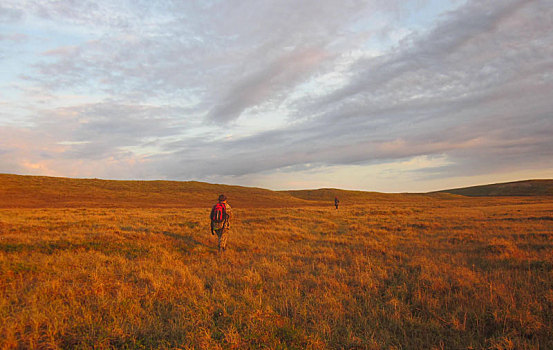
(126,249)
(491,264)
(187,243)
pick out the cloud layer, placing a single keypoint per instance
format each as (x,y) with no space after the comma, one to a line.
(238,92)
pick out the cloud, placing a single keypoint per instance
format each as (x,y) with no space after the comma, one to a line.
(259,50)
(481,95)
(481,72)
(17,37)
(108,135)
(175,88)
(264,85)
(8,14)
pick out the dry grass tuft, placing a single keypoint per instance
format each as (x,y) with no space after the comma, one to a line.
(504,249)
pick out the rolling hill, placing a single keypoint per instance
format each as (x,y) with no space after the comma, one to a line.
(17,191)
(21,191)
(98,264)
(517,188)
(327,195)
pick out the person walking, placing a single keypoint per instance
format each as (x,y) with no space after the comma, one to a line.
(336,202)
(220,221)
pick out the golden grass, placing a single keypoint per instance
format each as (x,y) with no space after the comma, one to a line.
(18,191)
(441,273)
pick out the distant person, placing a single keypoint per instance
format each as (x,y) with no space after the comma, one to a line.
(336,202)
(220,221)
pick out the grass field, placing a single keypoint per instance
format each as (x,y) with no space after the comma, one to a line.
(382,272)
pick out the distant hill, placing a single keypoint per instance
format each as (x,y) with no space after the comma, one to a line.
(518,188)
(347,196)
(328,194)
(17,191)
(22,191)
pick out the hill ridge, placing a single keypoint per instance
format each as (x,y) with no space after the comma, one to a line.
(523,188)
(30,191)
(48,191)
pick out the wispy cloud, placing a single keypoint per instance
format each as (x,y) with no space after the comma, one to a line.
(174,88)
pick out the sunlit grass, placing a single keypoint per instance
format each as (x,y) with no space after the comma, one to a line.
(442,273)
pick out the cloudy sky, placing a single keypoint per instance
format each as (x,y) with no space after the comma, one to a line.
(377,95)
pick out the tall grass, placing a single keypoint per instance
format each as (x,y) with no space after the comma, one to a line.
(441,274)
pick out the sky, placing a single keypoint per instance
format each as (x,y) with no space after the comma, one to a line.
(375,95)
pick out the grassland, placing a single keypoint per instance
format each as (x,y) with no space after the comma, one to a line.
(54,192)
(517,188)
(414,272)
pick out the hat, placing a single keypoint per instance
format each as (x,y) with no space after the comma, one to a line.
(222,198)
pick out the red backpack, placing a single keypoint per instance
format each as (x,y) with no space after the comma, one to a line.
(218,212)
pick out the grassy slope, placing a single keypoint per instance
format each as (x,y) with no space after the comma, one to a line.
(131,264)
(327,195)
(518,188)
(468,273)
(18,191)
(53,192)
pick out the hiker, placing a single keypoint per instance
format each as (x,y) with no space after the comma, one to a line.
(336,202)
(220,221)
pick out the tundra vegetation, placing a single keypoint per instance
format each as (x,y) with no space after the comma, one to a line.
(436,271)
